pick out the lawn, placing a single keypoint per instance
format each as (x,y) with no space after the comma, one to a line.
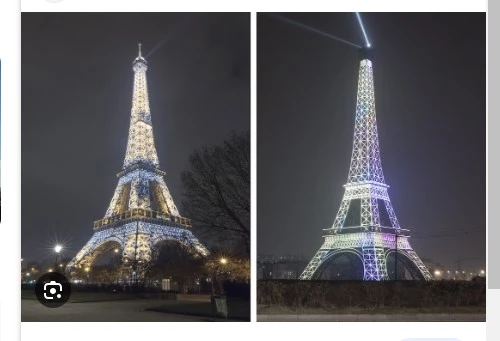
(237,309)
(81,297)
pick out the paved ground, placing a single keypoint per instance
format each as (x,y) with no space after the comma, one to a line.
(110,311)
(374,318)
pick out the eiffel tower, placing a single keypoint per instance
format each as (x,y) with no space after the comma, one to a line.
(142,212)
(360,231)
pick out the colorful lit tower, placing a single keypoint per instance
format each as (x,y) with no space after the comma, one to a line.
(366,228)
(142,212)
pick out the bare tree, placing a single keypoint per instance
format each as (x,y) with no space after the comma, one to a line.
(217,192)
(174,261)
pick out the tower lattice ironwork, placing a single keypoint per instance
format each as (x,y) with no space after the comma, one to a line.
(366,237)
(142,212)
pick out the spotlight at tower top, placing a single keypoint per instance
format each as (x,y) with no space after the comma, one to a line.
(358,16)
(312,29)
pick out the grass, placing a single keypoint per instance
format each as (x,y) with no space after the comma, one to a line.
(82,297)
(237,309)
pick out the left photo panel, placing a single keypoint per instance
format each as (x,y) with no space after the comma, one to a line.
(135,154)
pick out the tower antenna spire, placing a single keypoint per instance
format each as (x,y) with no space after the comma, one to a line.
(140,53)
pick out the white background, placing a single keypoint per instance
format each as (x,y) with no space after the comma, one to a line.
(10,326)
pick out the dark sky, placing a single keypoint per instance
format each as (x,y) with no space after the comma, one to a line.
(430,90)
(76,98)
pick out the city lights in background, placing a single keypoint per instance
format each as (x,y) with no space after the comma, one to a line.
(457,275)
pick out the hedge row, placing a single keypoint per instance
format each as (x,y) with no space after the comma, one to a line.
(344,294)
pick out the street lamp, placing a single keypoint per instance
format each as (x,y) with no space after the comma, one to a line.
(87,269)
(57,249)
(437,273)
(482,272)
(215,269)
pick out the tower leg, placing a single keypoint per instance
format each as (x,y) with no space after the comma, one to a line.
(97,245)
(341,214)
(420,265)
(392,215)
(313,265)
(374,263)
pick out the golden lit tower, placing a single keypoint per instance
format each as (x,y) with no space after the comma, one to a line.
(142,212)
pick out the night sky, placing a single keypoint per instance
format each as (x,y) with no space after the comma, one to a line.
(430,91)
(76,98)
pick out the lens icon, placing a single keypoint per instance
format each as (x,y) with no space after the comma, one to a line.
(52,289)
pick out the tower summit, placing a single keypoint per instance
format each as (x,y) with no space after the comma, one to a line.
(366,53)
(366,229)
(141,146)
(141,213)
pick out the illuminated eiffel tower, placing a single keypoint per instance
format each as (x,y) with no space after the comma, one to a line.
(142,212)
(365,237)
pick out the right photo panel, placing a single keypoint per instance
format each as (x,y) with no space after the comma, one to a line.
(371,167)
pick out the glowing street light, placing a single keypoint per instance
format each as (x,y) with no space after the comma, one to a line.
(482,272)
(57,249)
(437,273)
(223,261)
